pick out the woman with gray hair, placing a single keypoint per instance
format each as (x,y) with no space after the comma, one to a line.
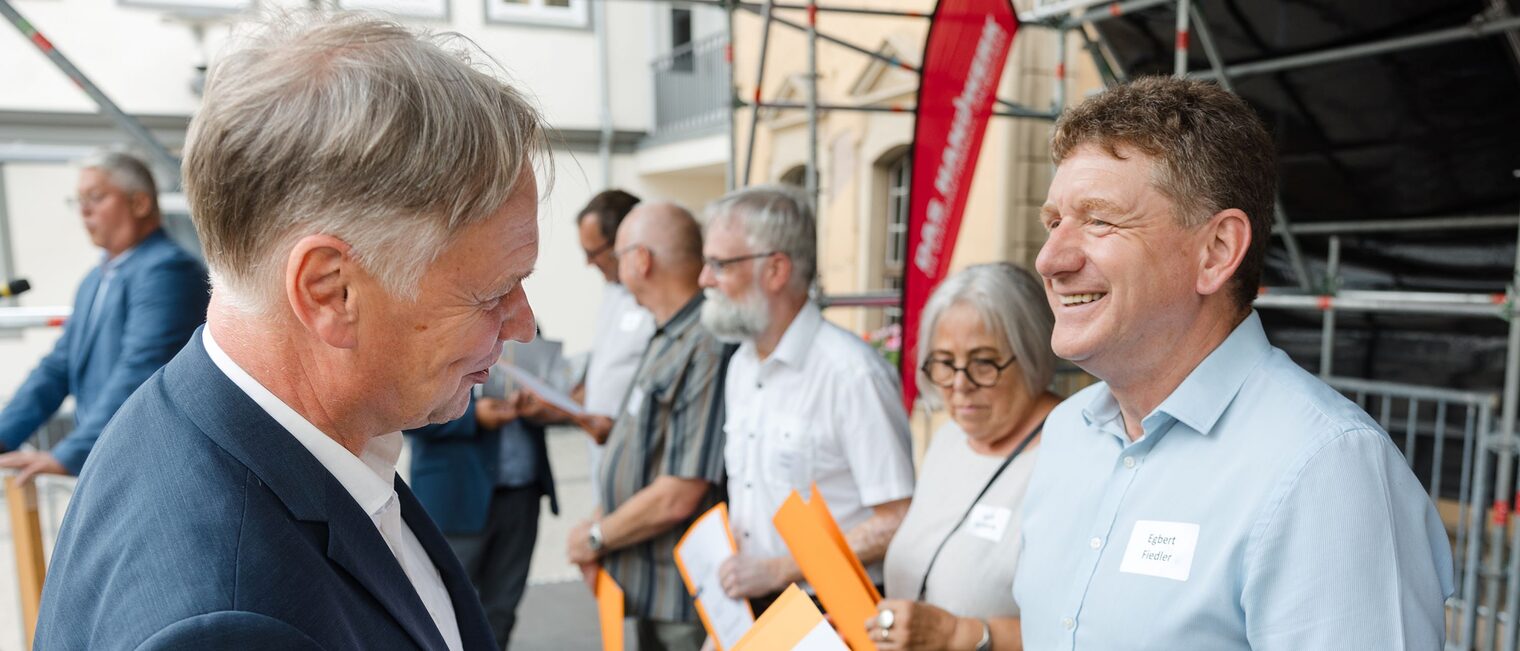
(985,350)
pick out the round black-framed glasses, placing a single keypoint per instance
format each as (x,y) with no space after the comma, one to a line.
(983,373)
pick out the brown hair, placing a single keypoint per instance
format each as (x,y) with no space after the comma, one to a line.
(609,207)
(1211,150)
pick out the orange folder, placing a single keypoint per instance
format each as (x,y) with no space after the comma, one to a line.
(609,606)
(787,623)
(829,565)
(720,511)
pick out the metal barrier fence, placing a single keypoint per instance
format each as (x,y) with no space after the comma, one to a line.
(691,87)
(1447,437)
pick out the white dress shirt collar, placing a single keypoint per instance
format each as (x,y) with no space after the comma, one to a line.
(792,349)
(370,478)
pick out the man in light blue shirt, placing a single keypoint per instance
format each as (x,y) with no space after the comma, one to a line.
(1209,493)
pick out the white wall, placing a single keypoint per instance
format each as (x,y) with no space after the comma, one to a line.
(52,251)
(144,61)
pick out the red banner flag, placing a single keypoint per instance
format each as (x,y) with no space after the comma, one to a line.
(964,54)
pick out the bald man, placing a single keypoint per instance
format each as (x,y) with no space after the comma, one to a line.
(664,459)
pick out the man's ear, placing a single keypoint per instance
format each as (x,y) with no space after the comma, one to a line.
(1226,238)
(320,277)
(776,273)
(141,204)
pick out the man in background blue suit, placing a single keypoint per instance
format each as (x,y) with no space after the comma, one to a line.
(483,478)
(131,315)
(366,268)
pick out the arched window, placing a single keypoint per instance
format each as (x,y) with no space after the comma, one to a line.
(796,176)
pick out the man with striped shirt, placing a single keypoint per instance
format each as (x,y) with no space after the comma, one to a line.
(663,464)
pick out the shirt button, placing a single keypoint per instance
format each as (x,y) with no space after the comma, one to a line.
(1129,462)
(749,485)
(1095,542)
(1068,623)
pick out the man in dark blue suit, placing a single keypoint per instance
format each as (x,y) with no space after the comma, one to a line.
(483,478)
(368,206)
(131,315)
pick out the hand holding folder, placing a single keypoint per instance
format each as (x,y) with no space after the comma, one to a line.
(704,547)
(609,607)
(829,565)
(792,623)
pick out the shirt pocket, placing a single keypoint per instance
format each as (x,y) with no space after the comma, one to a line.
(788,453)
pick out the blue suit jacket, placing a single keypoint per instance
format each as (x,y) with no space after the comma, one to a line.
(151,307)
(454,467)
(202,523)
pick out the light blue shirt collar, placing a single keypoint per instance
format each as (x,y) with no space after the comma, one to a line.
(1203,396)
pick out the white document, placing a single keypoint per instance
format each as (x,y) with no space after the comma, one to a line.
(701,552)
(550,394)
(1163,549)
(821,638)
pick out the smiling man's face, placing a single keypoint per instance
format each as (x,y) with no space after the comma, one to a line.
(1120,270)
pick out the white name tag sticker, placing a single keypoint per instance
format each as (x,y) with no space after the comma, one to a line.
(631,321)
(635,401)
(1163,549)
(988,522)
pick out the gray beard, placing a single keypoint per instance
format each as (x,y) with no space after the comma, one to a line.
(735,322)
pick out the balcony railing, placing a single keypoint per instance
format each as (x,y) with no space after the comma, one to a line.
(692,88)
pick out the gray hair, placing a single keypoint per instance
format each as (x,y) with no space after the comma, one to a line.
(1011,302)
(127,172)
(355,127)
(775,218)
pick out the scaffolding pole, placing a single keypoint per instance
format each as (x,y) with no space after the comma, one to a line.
(1452,223)
(127,123)
(731,174)
(812,102)
(1480,27)
(1180,43)
(754,114)
(1017,110)
(1327,327)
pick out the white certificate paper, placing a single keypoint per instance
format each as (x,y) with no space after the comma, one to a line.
(550,394)
(700,553)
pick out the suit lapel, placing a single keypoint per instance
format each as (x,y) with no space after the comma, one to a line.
(355,544)
(78,322)
(474,629)
(238,425)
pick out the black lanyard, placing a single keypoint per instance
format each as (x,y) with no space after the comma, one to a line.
(923,584)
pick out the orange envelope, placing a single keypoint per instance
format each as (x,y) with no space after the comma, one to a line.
(829,565)
(792,623)
(609,606)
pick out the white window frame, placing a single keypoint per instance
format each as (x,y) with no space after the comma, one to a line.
(535,12)
(895,235)
(430,9)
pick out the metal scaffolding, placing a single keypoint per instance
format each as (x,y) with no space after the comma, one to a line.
(1487,551)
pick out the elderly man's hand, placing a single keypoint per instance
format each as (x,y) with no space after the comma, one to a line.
(748,577)
(30,464)
(578,545)
(492,413)
(538,410)
(596,426)
(588,574)
(916,626)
